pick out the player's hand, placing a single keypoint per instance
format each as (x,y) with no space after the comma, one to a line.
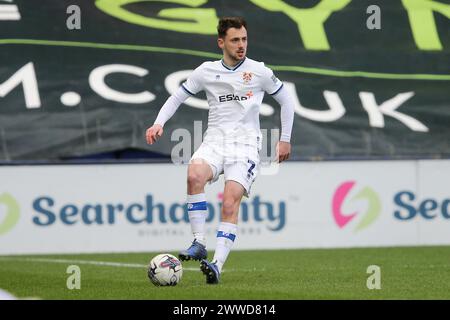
(153,133)
(283,151)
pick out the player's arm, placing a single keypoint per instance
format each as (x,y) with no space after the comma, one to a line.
(273,86)
(167,111)
(287,119)
(189,88)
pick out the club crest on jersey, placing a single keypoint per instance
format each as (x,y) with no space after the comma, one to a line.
(247,77)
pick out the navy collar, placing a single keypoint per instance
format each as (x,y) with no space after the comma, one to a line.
(235,67)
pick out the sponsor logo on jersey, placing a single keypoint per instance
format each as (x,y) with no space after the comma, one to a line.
(233,97)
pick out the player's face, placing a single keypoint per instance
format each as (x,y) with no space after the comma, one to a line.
(234,45)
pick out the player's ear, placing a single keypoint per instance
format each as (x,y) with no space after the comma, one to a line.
(220,43)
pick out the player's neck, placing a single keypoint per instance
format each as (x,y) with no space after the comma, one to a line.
(231,63)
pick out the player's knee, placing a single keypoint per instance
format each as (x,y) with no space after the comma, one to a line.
(195,180)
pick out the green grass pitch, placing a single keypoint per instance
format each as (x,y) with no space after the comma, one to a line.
(406,273)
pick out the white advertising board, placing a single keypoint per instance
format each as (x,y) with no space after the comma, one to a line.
(140,207)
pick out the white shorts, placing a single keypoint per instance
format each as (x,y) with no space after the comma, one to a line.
(238,162)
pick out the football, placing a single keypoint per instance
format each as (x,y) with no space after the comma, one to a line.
(165,270)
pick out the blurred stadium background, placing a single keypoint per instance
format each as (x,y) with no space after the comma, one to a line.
(369,167)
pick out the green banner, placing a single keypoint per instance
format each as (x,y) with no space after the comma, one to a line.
(370,80)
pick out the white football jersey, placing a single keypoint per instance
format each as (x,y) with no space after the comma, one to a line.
(234,96)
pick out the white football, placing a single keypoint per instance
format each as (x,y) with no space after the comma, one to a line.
(165,270)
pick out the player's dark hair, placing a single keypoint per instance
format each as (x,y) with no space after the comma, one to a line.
(230,22)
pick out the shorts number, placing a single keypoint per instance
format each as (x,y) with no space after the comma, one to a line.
(252,166)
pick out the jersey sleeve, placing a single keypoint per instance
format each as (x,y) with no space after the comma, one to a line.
(194,82)
(270,83)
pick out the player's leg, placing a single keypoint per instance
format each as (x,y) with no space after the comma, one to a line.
(241,168)
(199,173)
(226,232)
